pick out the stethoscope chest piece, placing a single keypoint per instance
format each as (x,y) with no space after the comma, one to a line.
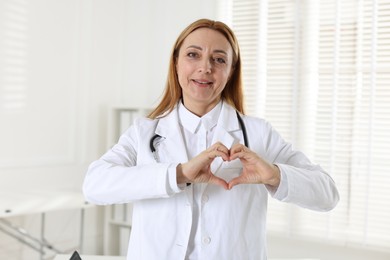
(154,141)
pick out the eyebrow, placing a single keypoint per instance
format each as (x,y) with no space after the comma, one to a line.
(200,48)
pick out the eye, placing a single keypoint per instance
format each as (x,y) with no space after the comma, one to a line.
(192,55)
(219,60)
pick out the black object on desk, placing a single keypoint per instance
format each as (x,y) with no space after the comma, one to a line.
(75,256)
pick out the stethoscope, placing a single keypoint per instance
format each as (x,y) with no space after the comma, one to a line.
(156,136)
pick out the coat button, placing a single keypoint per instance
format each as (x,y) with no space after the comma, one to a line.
(205,198)
(206,240)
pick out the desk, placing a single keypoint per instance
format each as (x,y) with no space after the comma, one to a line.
(91,257)
(14,203)
(17,203)
(96,257)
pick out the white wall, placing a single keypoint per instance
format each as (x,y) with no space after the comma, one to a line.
(62,65)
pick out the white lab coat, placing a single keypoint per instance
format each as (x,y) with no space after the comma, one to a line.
(233,222)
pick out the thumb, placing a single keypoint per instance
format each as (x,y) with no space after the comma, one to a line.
(234,182)
(218,181)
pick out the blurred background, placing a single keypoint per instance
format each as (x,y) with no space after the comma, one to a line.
(75,73)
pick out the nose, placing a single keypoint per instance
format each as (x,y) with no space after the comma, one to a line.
(205,66)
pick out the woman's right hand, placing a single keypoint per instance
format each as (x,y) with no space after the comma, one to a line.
(197,170)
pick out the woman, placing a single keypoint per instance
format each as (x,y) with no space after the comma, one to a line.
(197,171)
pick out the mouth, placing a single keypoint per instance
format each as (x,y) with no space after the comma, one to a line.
(202,83)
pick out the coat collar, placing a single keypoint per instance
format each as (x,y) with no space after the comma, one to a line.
(169,127)
(227,124)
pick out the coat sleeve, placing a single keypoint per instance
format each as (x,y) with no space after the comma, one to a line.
(302,182)
(116,177)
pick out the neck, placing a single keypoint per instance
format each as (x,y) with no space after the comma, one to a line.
(198,108)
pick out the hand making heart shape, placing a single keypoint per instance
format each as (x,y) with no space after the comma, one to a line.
(255,170)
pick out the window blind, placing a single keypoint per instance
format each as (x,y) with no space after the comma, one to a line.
(319,71)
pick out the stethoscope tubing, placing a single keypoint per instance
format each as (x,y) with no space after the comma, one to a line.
(243,128)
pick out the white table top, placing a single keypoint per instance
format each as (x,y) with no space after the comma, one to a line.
(91,257)
(14,203)
(96,257)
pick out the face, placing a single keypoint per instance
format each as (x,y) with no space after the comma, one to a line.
(204,65)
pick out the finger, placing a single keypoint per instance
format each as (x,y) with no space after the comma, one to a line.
(219,153)
(237,148)
(223,149)
(218,144)
(218,181)
(238,154)
(234,182)
(219,147)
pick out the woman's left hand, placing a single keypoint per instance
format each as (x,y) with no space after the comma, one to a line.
(255,169)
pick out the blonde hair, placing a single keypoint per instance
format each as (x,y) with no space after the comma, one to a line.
(232,93)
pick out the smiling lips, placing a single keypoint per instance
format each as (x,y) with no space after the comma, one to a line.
(202,83)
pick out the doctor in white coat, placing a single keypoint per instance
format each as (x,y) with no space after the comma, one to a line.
(198,172)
